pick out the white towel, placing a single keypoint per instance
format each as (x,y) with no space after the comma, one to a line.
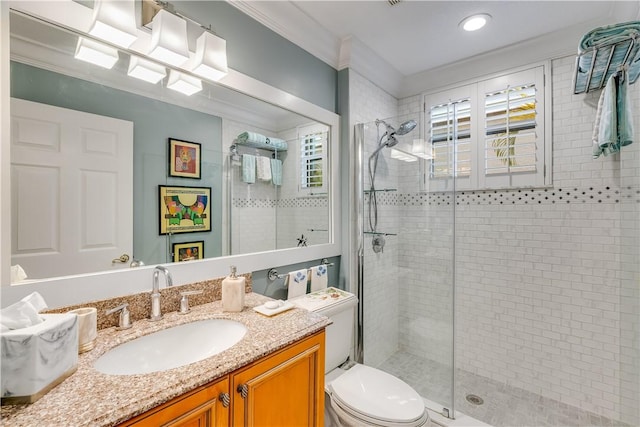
(17,274)
(264,168)
(319,277)
(297,283)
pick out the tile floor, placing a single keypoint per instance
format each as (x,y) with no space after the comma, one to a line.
(504,406)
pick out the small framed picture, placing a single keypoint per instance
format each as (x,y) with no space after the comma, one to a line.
(184,158)
(184,209)
(188,251)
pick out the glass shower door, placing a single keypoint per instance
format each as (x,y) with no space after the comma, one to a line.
(407,277)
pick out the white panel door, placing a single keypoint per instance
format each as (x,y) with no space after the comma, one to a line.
(71,190)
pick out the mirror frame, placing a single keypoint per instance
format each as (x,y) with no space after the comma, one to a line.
(103,285)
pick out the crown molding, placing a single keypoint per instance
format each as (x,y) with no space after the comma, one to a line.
(287,20)
(357,56)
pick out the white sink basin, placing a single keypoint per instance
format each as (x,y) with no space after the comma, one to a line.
(172,347)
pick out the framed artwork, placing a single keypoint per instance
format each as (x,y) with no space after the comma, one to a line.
(188,251)
(184,158)
(184,209)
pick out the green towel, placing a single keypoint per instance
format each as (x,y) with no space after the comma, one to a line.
(256,140)
(609,34)
(276,171)
(625,117)
(248,168)
(613,127)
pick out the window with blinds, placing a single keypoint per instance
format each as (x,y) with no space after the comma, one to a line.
(312,170)
(490,134)
(450,130)
(311,156)
(510,130)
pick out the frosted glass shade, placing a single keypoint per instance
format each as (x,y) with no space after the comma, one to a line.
(96,53)
(114,21)
(420,148)
(169,39)
(146,70)
(184,83)
(210,61)
(400,155)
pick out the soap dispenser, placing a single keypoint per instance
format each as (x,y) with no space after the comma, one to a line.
(233,289)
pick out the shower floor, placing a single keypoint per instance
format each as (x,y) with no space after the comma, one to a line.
(504,406)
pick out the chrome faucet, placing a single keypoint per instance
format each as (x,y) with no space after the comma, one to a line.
(156,313)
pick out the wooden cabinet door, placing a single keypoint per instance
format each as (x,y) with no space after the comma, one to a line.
(202,407)
(285,389)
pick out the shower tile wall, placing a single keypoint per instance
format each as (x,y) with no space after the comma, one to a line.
(546,279)
(265,217)
(298,216)
(253,205)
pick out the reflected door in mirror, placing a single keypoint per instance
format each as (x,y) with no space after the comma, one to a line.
(71,175)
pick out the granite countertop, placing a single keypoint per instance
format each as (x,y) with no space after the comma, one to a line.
(90,398)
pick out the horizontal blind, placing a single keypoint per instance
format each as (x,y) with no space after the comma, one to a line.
(450,132)
(510,130)
(311,157)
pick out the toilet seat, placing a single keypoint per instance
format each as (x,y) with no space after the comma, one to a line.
(377,398)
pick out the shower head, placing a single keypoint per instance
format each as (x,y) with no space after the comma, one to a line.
(406,127)
(390,142)
(391,133)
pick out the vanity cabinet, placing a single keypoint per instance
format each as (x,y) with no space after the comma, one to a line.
(284,388)
(205,406)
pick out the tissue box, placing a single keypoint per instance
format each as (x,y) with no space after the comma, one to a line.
(37,358)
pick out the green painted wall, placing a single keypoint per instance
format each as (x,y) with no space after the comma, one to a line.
(154,122)
(256,51)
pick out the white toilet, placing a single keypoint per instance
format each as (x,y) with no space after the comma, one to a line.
(359,395)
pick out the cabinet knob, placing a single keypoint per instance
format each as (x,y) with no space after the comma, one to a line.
(225,399)
(243,390)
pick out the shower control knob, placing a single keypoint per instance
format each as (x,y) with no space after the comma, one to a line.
(378,243)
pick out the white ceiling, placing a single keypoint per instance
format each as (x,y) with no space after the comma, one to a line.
(413,37)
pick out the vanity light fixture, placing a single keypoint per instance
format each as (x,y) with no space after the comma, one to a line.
(146,70)
(210,60)
(474,22)
(184,83)
(169,39)
(401,155)
(114,21)
(96,53)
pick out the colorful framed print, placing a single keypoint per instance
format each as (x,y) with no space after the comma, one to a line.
(184,209)
(188,251)
(184,158)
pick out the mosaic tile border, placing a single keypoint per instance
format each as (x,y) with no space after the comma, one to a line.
(304,202)
(540,196)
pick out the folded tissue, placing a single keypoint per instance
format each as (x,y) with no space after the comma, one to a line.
(38,350)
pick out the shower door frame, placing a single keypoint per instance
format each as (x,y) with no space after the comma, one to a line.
(357,258)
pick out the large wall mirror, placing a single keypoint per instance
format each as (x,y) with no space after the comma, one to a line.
(154,176)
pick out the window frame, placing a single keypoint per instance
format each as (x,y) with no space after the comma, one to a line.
(303,132)
(475,91)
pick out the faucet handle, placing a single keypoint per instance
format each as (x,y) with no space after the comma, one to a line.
(184,301)
(124,321)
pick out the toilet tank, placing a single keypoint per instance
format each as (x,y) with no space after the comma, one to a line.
(339,306)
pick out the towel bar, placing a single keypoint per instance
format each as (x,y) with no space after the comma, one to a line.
(595,65)
(273,273)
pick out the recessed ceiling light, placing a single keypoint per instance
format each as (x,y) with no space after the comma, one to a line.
(475,22)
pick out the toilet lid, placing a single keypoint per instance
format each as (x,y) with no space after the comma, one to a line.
(378,395)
